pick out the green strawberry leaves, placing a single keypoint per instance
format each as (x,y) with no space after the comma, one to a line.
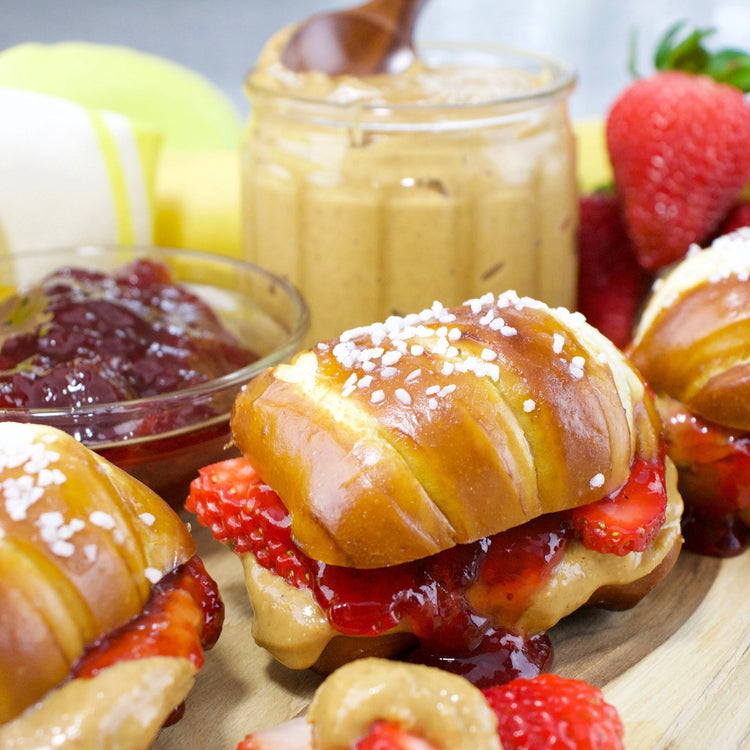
(687,53)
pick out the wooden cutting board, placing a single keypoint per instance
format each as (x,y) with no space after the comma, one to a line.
(677,666)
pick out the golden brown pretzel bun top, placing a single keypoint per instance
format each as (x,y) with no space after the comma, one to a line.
(693,340)
(404,438)
(81,543)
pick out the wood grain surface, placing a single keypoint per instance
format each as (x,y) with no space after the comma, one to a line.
(677,666)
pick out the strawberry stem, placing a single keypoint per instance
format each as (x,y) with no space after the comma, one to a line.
(676,51)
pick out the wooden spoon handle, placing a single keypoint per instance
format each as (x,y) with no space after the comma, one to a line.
(400,14)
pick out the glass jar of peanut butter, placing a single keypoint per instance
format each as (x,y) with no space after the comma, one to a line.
(378,195)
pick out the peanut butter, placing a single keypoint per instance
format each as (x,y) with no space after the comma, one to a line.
(378,195)
(444,708)
(289,623)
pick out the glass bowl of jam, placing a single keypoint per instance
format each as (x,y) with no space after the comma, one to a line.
(139,352)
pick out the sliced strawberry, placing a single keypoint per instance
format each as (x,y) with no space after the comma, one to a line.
(713,464)
(549,711)
(611,284)
(291,735)
(627,520)
(230,499)
(385,735)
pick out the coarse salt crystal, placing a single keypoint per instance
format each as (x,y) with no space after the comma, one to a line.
(558,341)
(377,397)
(413,375)
(390,358)
(529,405)
(596,481)
(403,396)
(62,548)
(148,518)
(154,575)
(488,355)
(102,520)
(417,350)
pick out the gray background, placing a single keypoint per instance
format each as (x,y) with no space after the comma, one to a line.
(221,38)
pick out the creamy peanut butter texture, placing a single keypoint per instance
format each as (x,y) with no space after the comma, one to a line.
(443,708)
(378,195)
(289,623)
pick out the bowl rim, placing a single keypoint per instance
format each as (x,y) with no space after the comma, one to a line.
(234,378)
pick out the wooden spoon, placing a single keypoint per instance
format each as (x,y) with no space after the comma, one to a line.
(373,38)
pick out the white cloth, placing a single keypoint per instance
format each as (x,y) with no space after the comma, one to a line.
(70,175)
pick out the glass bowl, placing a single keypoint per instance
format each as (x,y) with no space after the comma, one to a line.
(190,426)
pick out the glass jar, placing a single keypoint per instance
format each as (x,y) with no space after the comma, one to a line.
(375,208)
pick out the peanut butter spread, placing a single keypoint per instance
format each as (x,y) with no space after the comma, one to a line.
(443,708)
(291,626)
(378,195)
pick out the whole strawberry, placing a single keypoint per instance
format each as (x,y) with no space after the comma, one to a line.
(611,283)
(554,712)
(738,217)
(679,143)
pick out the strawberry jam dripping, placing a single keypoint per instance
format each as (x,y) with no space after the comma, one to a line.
(713,465)
(183,617)
(450,598)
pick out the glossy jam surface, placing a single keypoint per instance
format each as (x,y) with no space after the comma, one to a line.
(82,337)
(183,617)
(714,480)
(455,601)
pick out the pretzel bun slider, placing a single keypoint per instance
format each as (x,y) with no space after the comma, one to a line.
(692,344)
(104,608)
(454,480)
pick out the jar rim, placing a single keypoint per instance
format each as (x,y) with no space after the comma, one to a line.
(562,82)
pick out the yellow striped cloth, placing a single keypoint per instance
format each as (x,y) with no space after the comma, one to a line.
(72,175)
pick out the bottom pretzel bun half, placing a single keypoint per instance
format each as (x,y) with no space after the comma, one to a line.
(460,433)
(90,561)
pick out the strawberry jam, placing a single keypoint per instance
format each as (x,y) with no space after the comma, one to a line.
(713,464)
(183,617)
(453,600)
(81,337)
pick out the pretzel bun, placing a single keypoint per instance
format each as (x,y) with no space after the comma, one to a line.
(81,543)
(402,439)
(693,340)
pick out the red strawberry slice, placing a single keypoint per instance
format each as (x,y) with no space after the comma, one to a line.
(295,734)
(611,284)
(230,499)
(627,520)
(554,712)
(388,736)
